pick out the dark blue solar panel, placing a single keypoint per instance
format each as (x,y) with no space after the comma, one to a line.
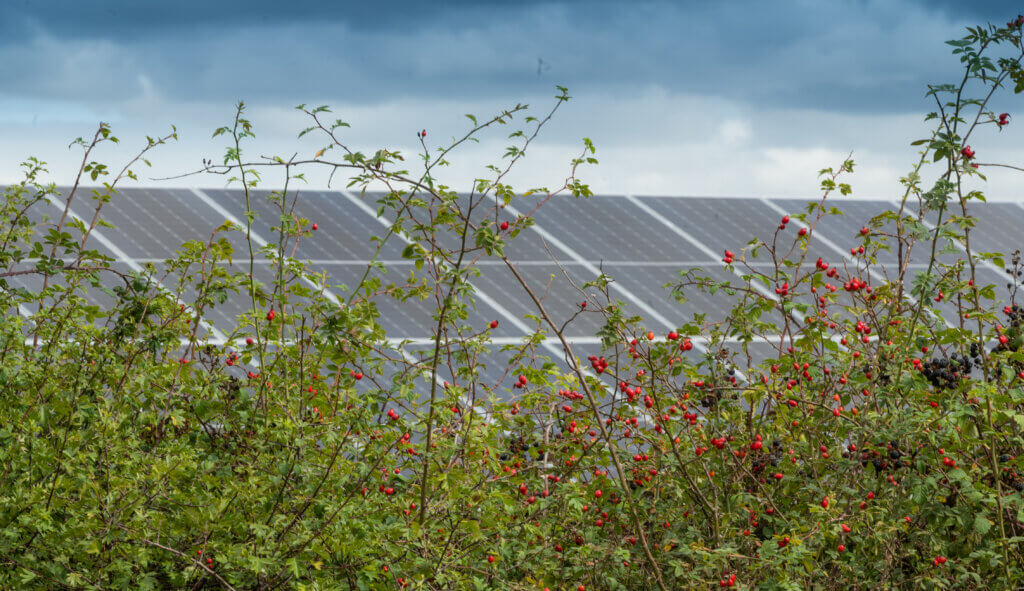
(999,227)
(612,229)
(719,224)
(344,230)
(548,283)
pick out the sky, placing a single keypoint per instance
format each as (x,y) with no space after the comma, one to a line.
(680,98)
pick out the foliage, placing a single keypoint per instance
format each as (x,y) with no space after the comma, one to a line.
(880,447)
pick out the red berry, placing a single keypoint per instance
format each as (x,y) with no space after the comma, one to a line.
(494,324)
(504,226)
(864,231)
(315,227)
(841,548)
(270,315)
(597,494)
(490,559)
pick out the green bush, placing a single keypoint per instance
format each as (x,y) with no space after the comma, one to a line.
(880,448)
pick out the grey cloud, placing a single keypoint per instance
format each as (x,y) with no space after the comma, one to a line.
(867,56)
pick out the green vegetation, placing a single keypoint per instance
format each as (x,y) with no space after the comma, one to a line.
(881,448)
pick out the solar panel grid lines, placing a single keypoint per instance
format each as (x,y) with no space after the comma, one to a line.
(123,258)
(491,302)
(675,229)
(489,263)
(261,241)
(999,226)
(589,266)
(822,237)
(553,346)
(959,245)
(607,233)
(836,227)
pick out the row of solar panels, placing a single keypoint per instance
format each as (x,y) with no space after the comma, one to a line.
(641,242)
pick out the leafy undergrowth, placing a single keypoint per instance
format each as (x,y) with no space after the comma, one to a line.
(878,447)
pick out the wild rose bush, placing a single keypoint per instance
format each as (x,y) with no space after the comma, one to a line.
(880,447)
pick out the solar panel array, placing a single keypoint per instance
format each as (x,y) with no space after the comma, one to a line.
(643,243)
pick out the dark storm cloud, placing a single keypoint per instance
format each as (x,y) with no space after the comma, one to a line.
(866,56)
(995,11)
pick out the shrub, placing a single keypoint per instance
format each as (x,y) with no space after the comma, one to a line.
(879,447)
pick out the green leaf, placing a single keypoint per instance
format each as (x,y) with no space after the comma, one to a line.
(982,524)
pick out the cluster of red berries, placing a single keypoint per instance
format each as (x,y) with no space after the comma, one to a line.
(270,316)
(356,375)
(598,363)
(209,561)
(782,224)
(822,265)
(728,582)
(939,560)
(392,414)
(1016,23)
(967,152)
(630,391)
(783,290)
(855,284)
(728,258)
(571,394)
(231,359)
(520,382)
(1003,119)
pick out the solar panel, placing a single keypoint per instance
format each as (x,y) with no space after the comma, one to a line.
(718,224)
(642,243)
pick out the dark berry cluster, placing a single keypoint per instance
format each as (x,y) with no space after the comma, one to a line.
(947,373)
(892,458)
